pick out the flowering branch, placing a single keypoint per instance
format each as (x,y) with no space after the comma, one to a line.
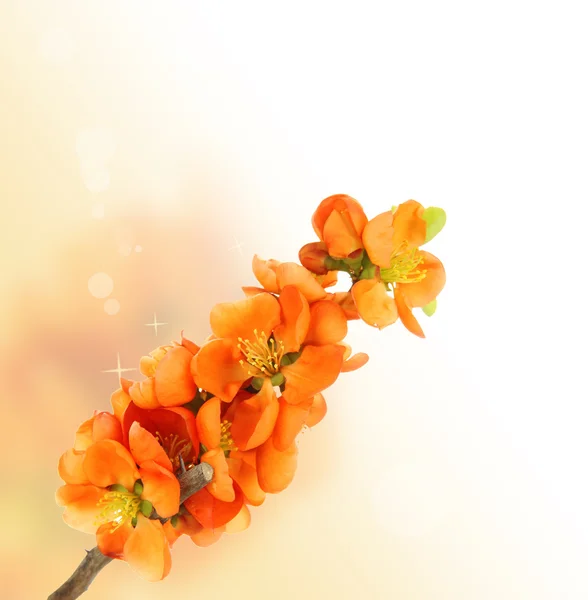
(191,481)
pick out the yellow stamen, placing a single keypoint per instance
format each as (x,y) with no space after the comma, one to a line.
(226,442)
(262,357)
(404,266)
(175,448)
(117,509)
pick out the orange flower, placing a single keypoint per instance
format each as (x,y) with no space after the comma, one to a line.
(416,277)
(339,221)
(117,495)
(260,337)
(169,382)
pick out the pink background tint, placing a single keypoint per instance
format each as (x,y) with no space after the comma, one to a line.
(201,133)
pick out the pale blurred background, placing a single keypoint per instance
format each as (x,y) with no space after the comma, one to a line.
(161,144)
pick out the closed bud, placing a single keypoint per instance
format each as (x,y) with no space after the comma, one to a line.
(312,256)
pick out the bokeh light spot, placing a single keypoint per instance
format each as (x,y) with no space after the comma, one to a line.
(111,306)
(100,285)
(138,248)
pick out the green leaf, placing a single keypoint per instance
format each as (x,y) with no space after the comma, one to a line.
(429,309)
(435,218)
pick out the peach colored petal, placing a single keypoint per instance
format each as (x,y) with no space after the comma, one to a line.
(328,324)
(276,470)
(317,412)
(290,422)
(206,537)
(421,293)
(108,462)
(265,273)
(355,362)
(293,274)
(315,370)
(295,319)
(71,467)
(340,236)
(147,550)
(344,204)
(211,512)
(408,225)
(143,393)
(161,488)
(216,368)
(346,302)
(243,472)
(120,400)
(250,290)
(255,418)
(221,486)
(374,305)
(106,427)
(378,239)
(84,435)
(174,384)
(189,345)
(112,543)
(406,316)
(208,421)
(239,319)
(81,505)
(144,447)
(240,522)
(329,279)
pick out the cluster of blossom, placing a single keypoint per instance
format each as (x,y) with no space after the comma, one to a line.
(239,401)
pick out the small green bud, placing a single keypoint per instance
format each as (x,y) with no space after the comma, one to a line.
(134,521)
(146,508)
(174,521)
(277,379)
(257,382)
(429,309)
(117,487)
(138,489)
(290,358)
(435,218)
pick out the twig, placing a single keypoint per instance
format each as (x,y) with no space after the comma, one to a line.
(191,481)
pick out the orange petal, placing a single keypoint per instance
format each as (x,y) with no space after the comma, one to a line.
(106,427)
(174,384)
(112,543)
(265,273)
(243,472)
(340,236)
(84,435)
(328,324)
(275,470)
(144,447)
(343,204)
(355,362)
(250,290)
(240,522)
(189,345)
(81,505)
(255,418)
(206,537)
(161,488)
(374,305)
(221,486)
(210,512)
(293,274)
(71,467)
(425,291)
(216,368)
(295,319)
(408,225)
(290,422)
(109,462)
(346,302)
(378,239)
(405,314)
(329,279)
(316,369)
(121,399)
(208,423)
(239,319)
(147,550)
(312,257)
(317,412)
(143,393)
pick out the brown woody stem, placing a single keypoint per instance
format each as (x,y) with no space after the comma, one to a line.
(191,482)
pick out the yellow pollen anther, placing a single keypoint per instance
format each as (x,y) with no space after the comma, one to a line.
(226,442)
(404,266)
(117,509)
(175,448)
(263,356)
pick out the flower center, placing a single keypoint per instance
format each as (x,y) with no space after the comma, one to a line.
(177,450)
(226,441)
(404,267)
(262,356)
(117,508)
